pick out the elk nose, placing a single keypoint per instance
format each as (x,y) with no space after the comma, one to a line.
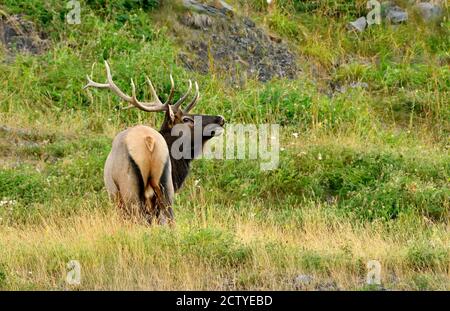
(220,120)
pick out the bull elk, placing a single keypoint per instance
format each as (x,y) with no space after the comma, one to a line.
(140,170)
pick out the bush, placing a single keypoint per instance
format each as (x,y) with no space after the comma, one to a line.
(22,185)
(124,5)
(423,256)
(330,8)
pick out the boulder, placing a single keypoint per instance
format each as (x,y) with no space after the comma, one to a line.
(393,13)
(429,11)
(358,25)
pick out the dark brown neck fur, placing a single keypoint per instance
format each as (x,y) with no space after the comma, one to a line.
(181,167)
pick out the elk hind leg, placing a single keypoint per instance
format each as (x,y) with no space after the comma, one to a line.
(150,205)
(163,204)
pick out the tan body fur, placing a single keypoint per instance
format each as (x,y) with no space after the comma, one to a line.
(149,151)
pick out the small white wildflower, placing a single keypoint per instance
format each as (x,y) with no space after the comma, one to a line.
(319,157)
(6,202)
(196,183)
(295,135)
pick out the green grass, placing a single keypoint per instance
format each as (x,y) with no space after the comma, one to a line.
(363,174)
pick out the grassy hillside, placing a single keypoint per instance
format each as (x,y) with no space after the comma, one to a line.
(364,172)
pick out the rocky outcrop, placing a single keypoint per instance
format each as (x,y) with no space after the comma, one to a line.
(19,35)
(228,43)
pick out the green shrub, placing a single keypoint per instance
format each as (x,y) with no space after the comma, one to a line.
(23,185)
(330,8)
(123,5)
(313,262)
(423,256)
(367,185)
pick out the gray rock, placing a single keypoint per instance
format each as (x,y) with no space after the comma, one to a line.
(222,8)
(429,11)
(327,286)
(249,23)
(359,24)
(340,89)
(303,280)
(395,14)
(226,6)
(362,85)
(197,21)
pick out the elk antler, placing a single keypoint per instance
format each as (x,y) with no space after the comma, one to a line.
(155,105)
(194,101)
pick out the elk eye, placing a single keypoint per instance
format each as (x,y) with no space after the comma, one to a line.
(187,120)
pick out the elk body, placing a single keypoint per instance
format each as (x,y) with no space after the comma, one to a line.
(141,174)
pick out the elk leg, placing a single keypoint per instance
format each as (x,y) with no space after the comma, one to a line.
(166,186)
(164,207)
(149,205)
(168,210)
(126,209)
(149,210)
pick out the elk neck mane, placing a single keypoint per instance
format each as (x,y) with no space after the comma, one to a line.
(181,167)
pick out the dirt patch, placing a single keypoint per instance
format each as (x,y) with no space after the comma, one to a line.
(18,146)
(236,46)
(19,35)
